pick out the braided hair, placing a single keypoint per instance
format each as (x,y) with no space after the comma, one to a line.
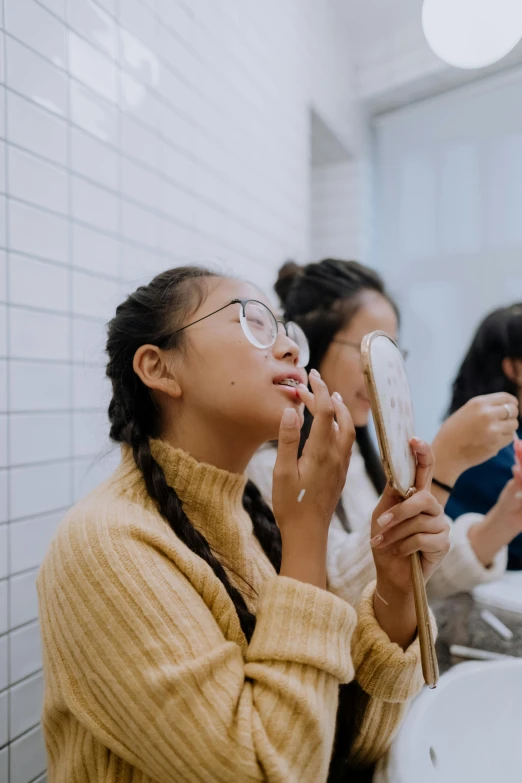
(323,298)
(152,314)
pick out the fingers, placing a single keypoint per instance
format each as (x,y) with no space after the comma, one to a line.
(423,542)
(422,523)
(288,445)
(322,427)
(422,502)
(425,463)
(346,433)
(500,398)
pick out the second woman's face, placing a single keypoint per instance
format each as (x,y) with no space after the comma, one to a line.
(341,367)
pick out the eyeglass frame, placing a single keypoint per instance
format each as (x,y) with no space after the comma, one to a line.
(243,303)
(353,344)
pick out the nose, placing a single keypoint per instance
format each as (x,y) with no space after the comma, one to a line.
(285,348)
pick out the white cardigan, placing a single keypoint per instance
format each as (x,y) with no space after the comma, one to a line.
(350,563)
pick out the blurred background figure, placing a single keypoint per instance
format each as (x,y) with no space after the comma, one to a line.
(493,363)
(137,135)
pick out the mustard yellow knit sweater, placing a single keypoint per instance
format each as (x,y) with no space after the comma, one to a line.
(148,675)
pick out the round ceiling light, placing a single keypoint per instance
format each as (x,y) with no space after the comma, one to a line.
(472,33)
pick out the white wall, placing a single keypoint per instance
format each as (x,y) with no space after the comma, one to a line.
(134,134)
(447,232)
(337,211)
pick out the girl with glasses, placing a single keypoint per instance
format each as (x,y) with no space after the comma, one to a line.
(336,303)
(188,634)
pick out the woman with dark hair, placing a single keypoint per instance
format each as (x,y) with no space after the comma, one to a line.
(336,303)
(493,363)
(186,635)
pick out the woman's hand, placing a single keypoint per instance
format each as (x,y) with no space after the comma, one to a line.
(306,490)
(398,530)
(501,524)
(474,434)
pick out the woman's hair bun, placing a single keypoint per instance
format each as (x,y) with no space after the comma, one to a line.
(288,274)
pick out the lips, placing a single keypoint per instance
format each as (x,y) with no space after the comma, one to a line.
(292,379)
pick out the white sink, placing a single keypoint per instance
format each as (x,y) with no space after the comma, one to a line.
(467,730)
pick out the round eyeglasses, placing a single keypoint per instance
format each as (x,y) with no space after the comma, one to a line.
(260,327)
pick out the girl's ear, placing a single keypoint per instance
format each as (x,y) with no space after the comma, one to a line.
(153,367)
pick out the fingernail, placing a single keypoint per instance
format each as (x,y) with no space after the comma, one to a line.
(337,396)
(302,387)
(289,417)
(376,540)
(315,373)
(384,519)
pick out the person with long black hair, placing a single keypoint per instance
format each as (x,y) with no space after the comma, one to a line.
(336,303)
(493,364)
(188,634)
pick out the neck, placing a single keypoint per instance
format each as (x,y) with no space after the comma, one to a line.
(223,446)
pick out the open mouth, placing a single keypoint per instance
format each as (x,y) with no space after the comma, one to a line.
(288,382)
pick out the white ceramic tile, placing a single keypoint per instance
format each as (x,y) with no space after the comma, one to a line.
(3,545)
(139,20)
(27,757)
(89,338)
(29,540)
(3,330)
(37,490)
(3,511)
(38,284)
(94,205)
(90,433)
(4,764)
(56,6)
(25,653)
(95,251)
(38,335)
(23,599)
(3,222)
(3,608)
(139,266)
(94,160)
(91,21)
(139,225)
(36,129)
(26,704)
(38,437)
(2,107)
(91,387)
(94,296)
(37,233)
(139,101)
(36,28)
(3,271)
(2,49)
(3,440)
(39,386)
(140,142)
(94,114)
(4,669)
(3,385)
(3,180)
(4,717)
(34,180)
(36,78)
(141,185)
(89,472)
(92,68)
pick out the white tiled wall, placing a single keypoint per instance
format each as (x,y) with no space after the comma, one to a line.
(134,135)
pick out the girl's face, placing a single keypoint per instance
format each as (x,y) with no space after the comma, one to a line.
(227,384)
(341,367)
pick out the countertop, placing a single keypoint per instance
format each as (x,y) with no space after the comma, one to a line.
(459,622)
